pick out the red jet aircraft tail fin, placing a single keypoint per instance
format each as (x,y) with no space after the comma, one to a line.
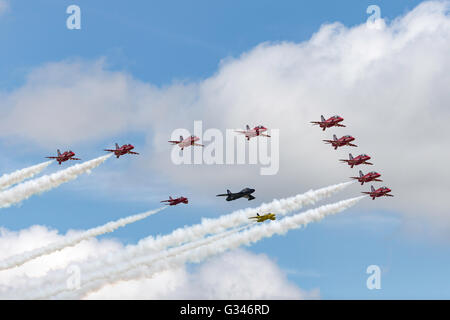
(248,127)
(59,152)
(361,174)
(322,118)
(372,188)
(350,156)
(117,146)
(334,137)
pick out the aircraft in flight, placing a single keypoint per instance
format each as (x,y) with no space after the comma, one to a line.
(120,151)
(264,217)
(371,176)
(361,159)
(343,141)
(62,157)
(256,131)
(190,141)
(330,122)
(174,202)
(244,193)
(380,192)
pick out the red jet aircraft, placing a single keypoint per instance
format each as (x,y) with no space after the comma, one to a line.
(371,176)
(174,202)
(256,131)
(62,157)
(361,159)
(190,141)
(331,122)
(120,151)
(343,141)
(380,192)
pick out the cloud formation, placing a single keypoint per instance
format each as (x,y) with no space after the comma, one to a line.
(237,270)
(389,83)
(234,275)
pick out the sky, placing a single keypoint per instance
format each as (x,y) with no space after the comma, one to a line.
(135,73)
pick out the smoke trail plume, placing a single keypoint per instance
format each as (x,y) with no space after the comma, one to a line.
(136,268)
(22,258)
(211,226)
(27,189)
(10,179)
(234,219)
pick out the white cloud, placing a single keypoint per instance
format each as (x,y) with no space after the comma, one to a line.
(390,84)
(234,275)
(15,242)
(240,272)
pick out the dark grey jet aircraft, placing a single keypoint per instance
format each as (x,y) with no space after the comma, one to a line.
(244,193)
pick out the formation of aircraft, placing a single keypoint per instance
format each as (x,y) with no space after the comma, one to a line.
(264,217)
(255,132)
(63,157)
(343,141)
(260,130)
(120,151)
(334,121)
(371,176)
(174,202)
(244,193)
(380,192)
(353,161)
(70,155)
(189,141)
(361,159)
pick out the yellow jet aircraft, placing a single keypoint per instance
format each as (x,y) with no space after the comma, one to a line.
(264,217)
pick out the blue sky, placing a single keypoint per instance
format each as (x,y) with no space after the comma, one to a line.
(169,41)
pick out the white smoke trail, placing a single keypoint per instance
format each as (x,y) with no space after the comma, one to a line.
(27,189)
(175,258)
(208,226)
(234,219)
(50,292)
(22,258)
(135,268)
(10,179)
